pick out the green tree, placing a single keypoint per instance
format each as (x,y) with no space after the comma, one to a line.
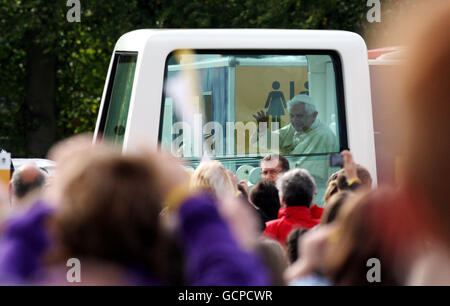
(52,72)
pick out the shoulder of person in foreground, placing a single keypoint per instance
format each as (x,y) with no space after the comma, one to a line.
(25,239)
(211,233)
(212,253)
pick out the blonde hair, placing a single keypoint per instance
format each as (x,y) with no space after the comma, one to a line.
(213,177)
(332,188)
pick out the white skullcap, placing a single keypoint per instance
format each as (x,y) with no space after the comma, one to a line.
(305,99)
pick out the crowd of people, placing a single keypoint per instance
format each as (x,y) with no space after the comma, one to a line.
(142,219)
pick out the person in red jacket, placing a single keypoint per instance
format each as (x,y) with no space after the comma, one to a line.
(296,189)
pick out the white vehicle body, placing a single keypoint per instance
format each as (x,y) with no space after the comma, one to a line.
(153,48)
(383,64)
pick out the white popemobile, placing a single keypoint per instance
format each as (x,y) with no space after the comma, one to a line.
(196,91)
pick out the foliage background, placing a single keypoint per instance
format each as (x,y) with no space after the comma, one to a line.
(52,72)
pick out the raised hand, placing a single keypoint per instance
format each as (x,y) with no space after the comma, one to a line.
(261,116)
(349,165)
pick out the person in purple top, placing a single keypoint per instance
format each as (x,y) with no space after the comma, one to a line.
(212,255)
(109,216)
(24,241)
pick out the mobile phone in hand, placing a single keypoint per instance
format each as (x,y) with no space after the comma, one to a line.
(336,160)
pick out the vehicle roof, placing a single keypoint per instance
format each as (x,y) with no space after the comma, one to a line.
(248,38)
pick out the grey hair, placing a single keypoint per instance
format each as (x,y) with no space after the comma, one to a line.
(297,187)
(21,188)
(310,108)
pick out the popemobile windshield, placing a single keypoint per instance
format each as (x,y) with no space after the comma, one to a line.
(196,92)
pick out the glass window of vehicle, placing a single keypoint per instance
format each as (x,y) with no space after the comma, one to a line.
(114,119)
(212,100)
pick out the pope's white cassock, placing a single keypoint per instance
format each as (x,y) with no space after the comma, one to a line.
(318,138)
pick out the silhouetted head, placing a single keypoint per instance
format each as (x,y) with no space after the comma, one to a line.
(276,85)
